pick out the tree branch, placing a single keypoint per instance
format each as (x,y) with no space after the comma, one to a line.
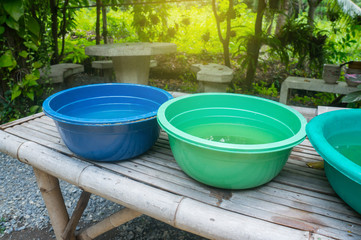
(218,21)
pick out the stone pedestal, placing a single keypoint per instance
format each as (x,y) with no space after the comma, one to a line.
(139,65)
(213,77)
(105,66)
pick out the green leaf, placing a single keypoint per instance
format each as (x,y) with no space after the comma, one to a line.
(14,8)
(352,97)
(16,91)
(23,54)
(31,45)
(353,33)
(7,60)
(30,80)
(33,26)
(2,19)
(34,109)
(2,30)
(30,95)
(37,73)
(37,65)
(12,24)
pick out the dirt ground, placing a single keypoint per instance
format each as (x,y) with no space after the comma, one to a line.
(141,228)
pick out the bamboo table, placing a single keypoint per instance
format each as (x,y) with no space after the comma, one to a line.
(298,204)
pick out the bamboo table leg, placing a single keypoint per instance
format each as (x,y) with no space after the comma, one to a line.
(50,190)
(109,223)
(78,211)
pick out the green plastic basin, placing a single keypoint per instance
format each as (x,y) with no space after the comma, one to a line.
(336,136)
(231,141)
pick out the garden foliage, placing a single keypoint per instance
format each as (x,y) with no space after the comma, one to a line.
(33,33)
(24,51)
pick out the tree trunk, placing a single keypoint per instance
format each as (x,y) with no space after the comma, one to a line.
(97,25)
(54,31)
(313,4)
(227,60)
(282,16)
(254,45)
(63,28)
(105,30)
(224,41)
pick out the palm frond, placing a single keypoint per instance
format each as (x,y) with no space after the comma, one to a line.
(349,8)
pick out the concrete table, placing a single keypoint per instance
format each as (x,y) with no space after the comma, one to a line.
(131,61)
(311,84)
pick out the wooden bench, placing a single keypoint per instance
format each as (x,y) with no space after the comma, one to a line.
(105,67)
(311,84)
(212,77)
(299,204)
(59,72)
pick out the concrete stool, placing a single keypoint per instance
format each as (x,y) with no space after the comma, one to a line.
(59,72)
(106,66)
(213,77)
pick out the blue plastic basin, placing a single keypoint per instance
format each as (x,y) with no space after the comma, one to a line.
(336,136)
(107,122)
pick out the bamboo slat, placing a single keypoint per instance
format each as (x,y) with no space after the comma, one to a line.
(22,120)
(306,192)
(306,157)
(338,206)
(45,142)
(30,131)
(47,120)
(43,128)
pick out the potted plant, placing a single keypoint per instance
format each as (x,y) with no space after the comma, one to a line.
(353,73)
(331,73)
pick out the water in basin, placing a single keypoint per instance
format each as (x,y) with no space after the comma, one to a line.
(107,111)
(108,108)
(237,133)
(348,144)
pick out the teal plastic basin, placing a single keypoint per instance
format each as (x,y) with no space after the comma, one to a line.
(336,136)
(231,141)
